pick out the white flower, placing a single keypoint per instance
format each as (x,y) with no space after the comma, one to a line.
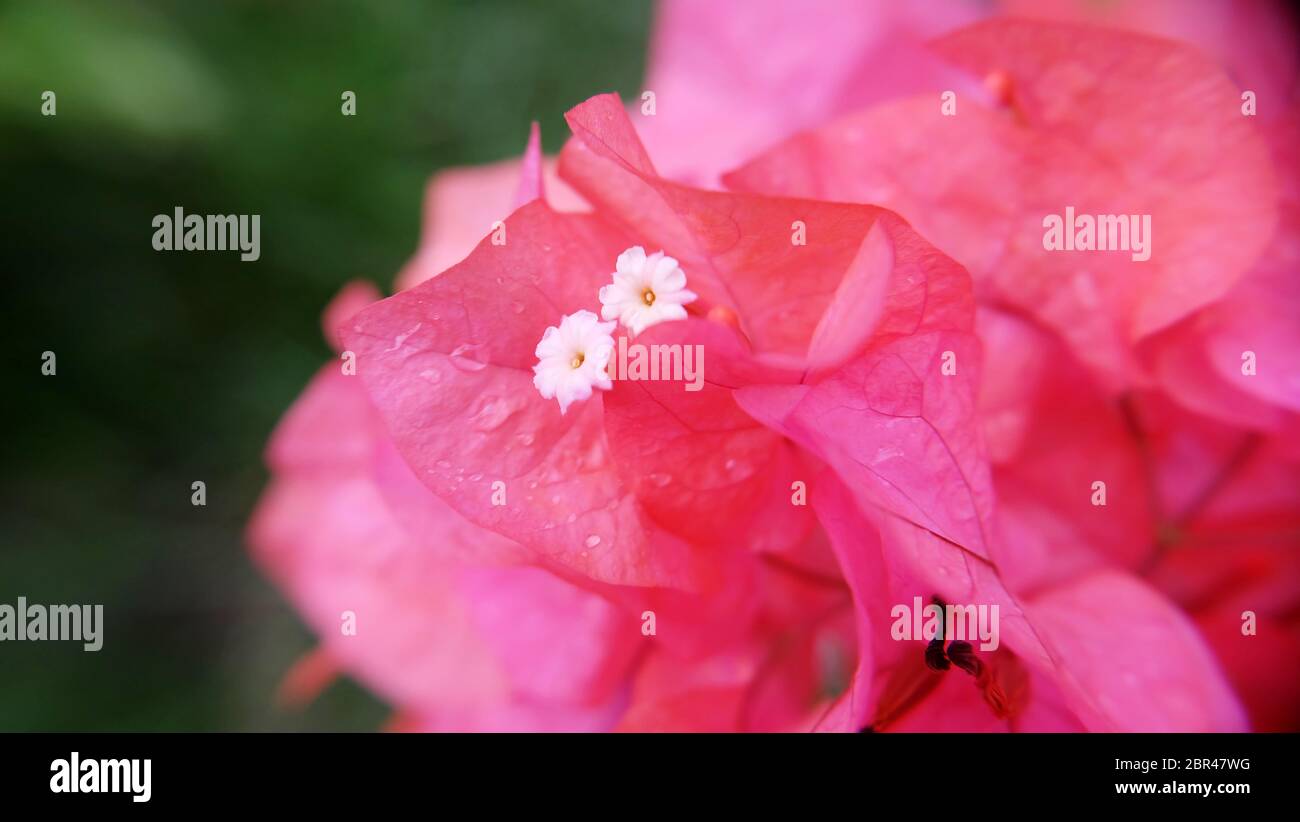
(646,291)
(573,358)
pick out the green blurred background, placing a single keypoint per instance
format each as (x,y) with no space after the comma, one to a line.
(175,367)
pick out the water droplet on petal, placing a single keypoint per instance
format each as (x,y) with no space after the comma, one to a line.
(737,469)
(593,541)
(493,412)
(464,363)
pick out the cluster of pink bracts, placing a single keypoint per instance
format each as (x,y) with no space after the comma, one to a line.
(907,395)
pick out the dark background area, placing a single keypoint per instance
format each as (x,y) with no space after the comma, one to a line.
(174,367)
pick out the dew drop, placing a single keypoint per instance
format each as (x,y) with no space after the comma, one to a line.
(464,363)
(593,541)
(738,470)
(493,412)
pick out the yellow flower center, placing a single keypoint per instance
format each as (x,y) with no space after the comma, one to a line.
(648,297)
(578,360)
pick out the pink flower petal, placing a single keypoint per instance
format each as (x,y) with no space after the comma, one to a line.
(448,365)
(742,253)
(980,183)
(703,468)
(731,79)
(1138,664)
(463,205)
(427,636)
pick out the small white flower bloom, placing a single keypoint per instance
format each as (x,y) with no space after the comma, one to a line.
(647,290)
(573,358)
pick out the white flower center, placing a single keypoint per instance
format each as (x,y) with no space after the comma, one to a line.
(646,290)
(572,359)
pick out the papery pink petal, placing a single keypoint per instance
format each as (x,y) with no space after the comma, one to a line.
(426,639)
(901,563)
(1055,434)
(981,182)
(731,79)
(1235,499)
(1046,711)
(794,675)
(955,706)
(531,186)
(1201,361)
(851,317)
(556,640)
(449,366)
(517,717)
(702,467)
(1256,41)
(1201,204)
(704,710)
(1261,666)
(463,205)
(1150,653)
(1209,473)
(740,252)
(1140,664)
(893,425)
(857,547)
(323,544)
(957,187)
